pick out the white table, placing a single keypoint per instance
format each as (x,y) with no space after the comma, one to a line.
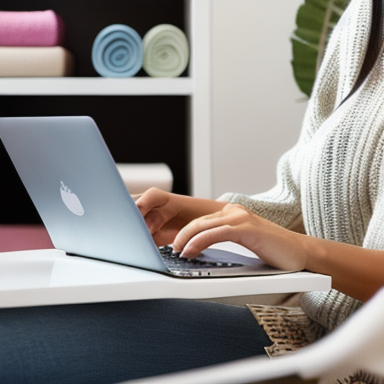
(47,277)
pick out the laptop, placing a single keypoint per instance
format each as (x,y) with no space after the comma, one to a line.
(85,206)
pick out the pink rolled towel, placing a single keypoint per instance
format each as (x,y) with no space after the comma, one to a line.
(31,29)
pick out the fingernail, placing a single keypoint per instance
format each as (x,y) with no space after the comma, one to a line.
(184,253)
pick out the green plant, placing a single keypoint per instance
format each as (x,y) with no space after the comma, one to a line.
(315,21)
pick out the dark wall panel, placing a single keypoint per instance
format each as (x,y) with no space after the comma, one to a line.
(136,129)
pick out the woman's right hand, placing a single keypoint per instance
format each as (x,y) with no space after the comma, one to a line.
(166,213)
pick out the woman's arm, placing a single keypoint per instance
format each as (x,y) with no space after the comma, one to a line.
(355,271)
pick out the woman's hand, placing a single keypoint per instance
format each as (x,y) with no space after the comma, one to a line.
(356,271)
(275,245)
(166,213)
(193,224)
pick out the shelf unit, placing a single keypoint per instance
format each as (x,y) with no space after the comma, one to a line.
(87,86)
(196,87)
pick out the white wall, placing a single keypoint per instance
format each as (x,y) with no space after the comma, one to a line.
(256,113)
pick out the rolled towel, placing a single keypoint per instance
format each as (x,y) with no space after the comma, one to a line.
(166,51)
(35,62)
(117,51)
(33,28)
(140,177)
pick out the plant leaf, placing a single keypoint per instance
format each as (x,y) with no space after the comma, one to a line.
(315,21)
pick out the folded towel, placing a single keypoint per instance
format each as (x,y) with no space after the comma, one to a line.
(140,177)
(33,28)
(166,51)
(35,62)
(117,51)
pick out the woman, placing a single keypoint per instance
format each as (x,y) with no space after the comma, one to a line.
(331,184)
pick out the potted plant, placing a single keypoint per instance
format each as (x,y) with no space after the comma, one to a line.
(315,21)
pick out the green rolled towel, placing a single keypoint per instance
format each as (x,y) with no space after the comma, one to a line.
(166,51)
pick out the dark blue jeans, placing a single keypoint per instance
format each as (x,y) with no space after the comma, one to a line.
(112,342)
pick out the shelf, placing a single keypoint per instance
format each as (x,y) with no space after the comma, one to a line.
(181,86)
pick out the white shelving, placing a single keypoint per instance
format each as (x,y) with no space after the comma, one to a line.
(95,86)
(200,19)
(197,86)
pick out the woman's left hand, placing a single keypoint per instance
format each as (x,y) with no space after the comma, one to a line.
(275,245)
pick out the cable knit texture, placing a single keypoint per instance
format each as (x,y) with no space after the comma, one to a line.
(333,178)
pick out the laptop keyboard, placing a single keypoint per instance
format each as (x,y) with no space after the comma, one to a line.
(173,261)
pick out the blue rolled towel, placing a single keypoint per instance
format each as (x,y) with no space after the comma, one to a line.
(117,51)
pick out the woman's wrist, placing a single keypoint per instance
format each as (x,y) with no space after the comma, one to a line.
(313,253)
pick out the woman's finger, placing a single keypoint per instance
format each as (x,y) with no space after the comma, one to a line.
(195,227)
(164,237)
(154,220)
(206,238)
(152,199)
(136,197)
(231,216)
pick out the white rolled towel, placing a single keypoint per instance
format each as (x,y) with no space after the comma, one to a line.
(35,62)
(140,177)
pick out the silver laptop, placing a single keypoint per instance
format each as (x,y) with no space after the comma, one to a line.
(74,183)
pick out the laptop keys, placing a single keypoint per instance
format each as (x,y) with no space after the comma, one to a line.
(173,259)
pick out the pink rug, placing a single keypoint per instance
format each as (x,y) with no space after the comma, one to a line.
(23,237)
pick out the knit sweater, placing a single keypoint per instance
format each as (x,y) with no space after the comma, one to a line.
(332,180)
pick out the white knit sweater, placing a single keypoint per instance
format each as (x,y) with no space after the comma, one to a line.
(333,180)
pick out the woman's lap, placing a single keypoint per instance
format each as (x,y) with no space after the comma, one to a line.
(112,342)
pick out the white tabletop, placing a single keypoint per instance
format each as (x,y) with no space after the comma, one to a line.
(47,277)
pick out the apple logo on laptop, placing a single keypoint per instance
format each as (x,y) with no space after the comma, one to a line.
(71,201)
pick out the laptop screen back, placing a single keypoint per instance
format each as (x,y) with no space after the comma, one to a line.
(73,181)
